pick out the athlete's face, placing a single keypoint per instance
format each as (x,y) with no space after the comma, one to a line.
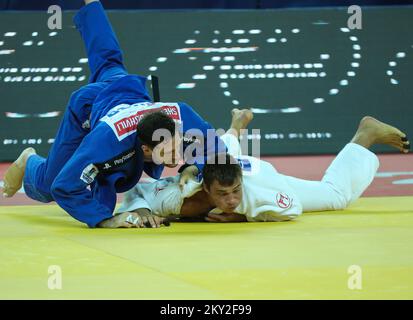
(168,152)
(226,198)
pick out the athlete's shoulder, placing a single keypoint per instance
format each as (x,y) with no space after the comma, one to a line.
(255,167)
(186,107)
(191,118)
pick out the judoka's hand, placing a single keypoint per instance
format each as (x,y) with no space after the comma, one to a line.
(149,220)
(189,173)
(133,220)
(226,217)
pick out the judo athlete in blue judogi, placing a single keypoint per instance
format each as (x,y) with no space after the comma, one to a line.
(99,149)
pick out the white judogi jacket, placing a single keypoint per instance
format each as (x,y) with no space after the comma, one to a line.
(266,196)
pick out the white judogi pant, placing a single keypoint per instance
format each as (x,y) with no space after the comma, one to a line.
(347,177)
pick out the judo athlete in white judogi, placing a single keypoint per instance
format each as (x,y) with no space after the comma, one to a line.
(251,189)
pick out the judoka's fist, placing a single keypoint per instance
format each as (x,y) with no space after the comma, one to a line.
(189,173)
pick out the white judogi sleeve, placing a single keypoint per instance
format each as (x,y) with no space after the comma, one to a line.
(162,197)
(133,200)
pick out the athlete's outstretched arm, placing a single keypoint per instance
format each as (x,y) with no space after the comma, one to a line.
(138,218)
(101,44)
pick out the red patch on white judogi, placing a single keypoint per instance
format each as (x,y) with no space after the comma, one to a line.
(283,201)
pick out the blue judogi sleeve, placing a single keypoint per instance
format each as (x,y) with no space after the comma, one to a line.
(212,142)
(70,188)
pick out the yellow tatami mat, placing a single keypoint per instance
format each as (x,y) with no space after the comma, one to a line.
(309,258)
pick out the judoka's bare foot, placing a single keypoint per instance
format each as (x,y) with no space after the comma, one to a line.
(240,120)
(372,131)
(13,177)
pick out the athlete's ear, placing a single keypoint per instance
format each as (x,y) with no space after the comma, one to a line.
(147,151)
(205,188)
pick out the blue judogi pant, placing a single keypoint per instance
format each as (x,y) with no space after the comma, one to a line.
(106,66)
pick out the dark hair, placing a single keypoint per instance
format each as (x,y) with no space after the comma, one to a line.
(223,168)
(151,122)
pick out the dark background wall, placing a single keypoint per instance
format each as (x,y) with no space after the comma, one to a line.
(307,77)
(192,4)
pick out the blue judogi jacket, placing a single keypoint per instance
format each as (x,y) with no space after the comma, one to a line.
(109,159)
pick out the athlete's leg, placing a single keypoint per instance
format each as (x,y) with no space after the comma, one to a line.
(345,180)
(105,61)
(352,170)
(39,173)
(240,120)
(14,174)
(372,131)
(102,47)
